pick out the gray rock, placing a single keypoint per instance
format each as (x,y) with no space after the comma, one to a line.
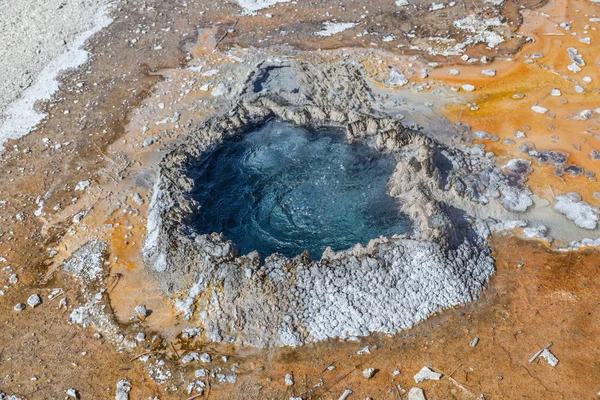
(34,300)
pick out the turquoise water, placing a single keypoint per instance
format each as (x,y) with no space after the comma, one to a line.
(282,188)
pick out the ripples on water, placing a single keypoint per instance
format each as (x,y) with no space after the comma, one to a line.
(284,189)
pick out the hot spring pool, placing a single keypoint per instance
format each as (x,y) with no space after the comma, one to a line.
(286,189)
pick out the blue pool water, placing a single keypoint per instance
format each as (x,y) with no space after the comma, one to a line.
(282,188)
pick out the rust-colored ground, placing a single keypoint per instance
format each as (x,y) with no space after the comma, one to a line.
(538,295)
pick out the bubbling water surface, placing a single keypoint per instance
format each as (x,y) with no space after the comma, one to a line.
(286,189)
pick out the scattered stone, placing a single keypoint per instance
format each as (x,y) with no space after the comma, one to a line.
(201,373)
(539,109)
(397,79)
(555,92)
(488,72)
(575,57)
(518,96)
(474,342)
(467,87)
(346,394)
(82,185)
(289,379)
(547,355)
(205,358)
(189,357)
(364,350)
(453,72)
(368,372)
(72,393)
(230,378)
(123,389)
(34,300)
(482,135)
(137,198)
(416,394)
(520,135)
(426,374)
(19,307)
(140,311)
(191,333)
(13,279)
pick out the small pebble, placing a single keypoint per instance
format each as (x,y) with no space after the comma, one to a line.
(289,380)
(34,300)
(368,372)
(205,358)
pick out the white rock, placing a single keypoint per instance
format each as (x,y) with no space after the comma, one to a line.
(332,28)
(397,79)
(123,389)
(467,87)
(34,300)
(140,311)
(581,213)
(488,72)
(549,357)
(416,394)
(346,394)
(555,92)
(289,379)
(82,185)
(368,372)
(539,109)
(453,72)
(72,393)
(189,357)
(205,358)
(201,373)
(426,374)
